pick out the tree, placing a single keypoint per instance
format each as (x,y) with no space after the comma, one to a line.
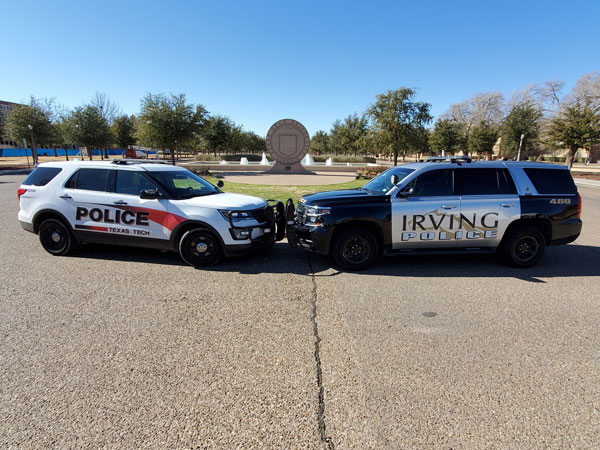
(577,126)
(523,119)
(108,109)
(587,90)
(87,127)
(482,139)
(217,133)
(397,118)
(123,130)
(32,123)
(482,107)
(169,121)
(348,136)
(319,144)
(447,136)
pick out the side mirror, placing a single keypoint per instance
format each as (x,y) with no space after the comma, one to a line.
(150,194)
(220,184)
(394,179)
(407,192)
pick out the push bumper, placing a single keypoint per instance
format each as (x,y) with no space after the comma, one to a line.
(315,239)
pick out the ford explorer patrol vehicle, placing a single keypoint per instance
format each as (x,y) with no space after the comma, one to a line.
(516,209)
(145,205)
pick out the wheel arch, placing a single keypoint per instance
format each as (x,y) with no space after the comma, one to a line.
(45,214)
(370,225)
(542,224)
(188,225)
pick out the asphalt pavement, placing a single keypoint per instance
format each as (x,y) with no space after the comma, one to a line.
(119,347)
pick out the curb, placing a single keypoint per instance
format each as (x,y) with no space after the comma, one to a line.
(15,172)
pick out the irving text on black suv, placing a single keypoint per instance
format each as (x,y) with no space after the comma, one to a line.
(453,205)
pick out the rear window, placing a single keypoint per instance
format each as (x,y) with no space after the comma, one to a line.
(552,181)
(41,176)
(89,180)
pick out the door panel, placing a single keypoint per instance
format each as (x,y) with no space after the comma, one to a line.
(81,200)
(425,222)
(486,217)
(427,216)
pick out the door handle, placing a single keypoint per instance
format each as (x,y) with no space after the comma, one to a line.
(120,202)
(507,205)
(448,206)
(65,196)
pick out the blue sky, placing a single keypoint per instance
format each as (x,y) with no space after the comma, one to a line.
(258,62)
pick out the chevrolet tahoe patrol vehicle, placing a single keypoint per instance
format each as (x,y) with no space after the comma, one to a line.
(146,205)
(445,205)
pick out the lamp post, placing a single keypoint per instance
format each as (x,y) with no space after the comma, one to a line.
(173,153)
(520,146)
(33,149)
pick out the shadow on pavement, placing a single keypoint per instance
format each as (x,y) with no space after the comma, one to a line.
(563,261)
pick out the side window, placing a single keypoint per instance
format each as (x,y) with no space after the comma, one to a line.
(484,181)
(433,183)
(41,176)
(132,183)
(552,181)
(89,179)
(506,182)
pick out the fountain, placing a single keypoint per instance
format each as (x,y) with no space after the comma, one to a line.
(329,162)
(308,160)
(243,161)
(264,161)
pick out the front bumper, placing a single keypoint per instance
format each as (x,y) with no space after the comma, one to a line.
(264,242)
(313,238)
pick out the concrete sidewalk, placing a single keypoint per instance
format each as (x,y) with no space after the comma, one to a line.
(584,182)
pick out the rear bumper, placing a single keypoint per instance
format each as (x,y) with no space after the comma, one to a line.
(315,239)
(565,231)
(26,226)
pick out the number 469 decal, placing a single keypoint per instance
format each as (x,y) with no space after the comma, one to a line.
(560,201)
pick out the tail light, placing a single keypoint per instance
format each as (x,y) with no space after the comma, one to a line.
(20,192)
(579,207)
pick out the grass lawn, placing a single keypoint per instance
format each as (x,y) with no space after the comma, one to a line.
(282,192)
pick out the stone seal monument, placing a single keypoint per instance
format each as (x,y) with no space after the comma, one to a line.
(287,142)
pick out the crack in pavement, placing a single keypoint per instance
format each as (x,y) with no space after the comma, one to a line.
(321,412)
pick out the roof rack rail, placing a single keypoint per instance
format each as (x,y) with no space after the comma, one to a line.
(450,159)
(125,161)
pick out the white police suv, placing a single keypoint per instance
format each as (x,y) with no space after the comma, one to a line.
(145,205)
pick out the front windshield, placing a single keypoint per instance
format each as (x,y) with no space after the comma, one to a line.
(383,182)
(183,184)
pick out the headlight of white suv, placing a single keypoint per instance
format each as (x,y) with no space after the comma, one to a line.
(235,215)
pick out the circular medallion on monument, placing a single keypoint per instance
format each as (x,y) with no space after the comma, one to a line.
(288,142)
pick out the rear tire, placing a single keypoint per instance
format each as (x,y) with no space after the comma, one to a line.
(55,237)
(355,249)
(523,247)
(200,248)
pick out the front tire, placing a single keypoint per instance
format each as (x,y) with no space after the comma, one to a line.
(200,248)
(355,249)
(523,247)
(55,237)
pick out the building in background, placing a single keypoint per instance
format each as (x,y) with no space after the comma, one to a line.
(5,109)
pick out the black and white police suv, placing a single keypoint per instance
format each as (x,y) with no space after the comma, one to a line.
(146,205)
(447,205)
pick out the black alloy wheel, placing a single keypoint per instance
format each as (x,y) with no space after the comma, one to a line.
(523,247)
(355,249)
(199,248)
(55,237)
